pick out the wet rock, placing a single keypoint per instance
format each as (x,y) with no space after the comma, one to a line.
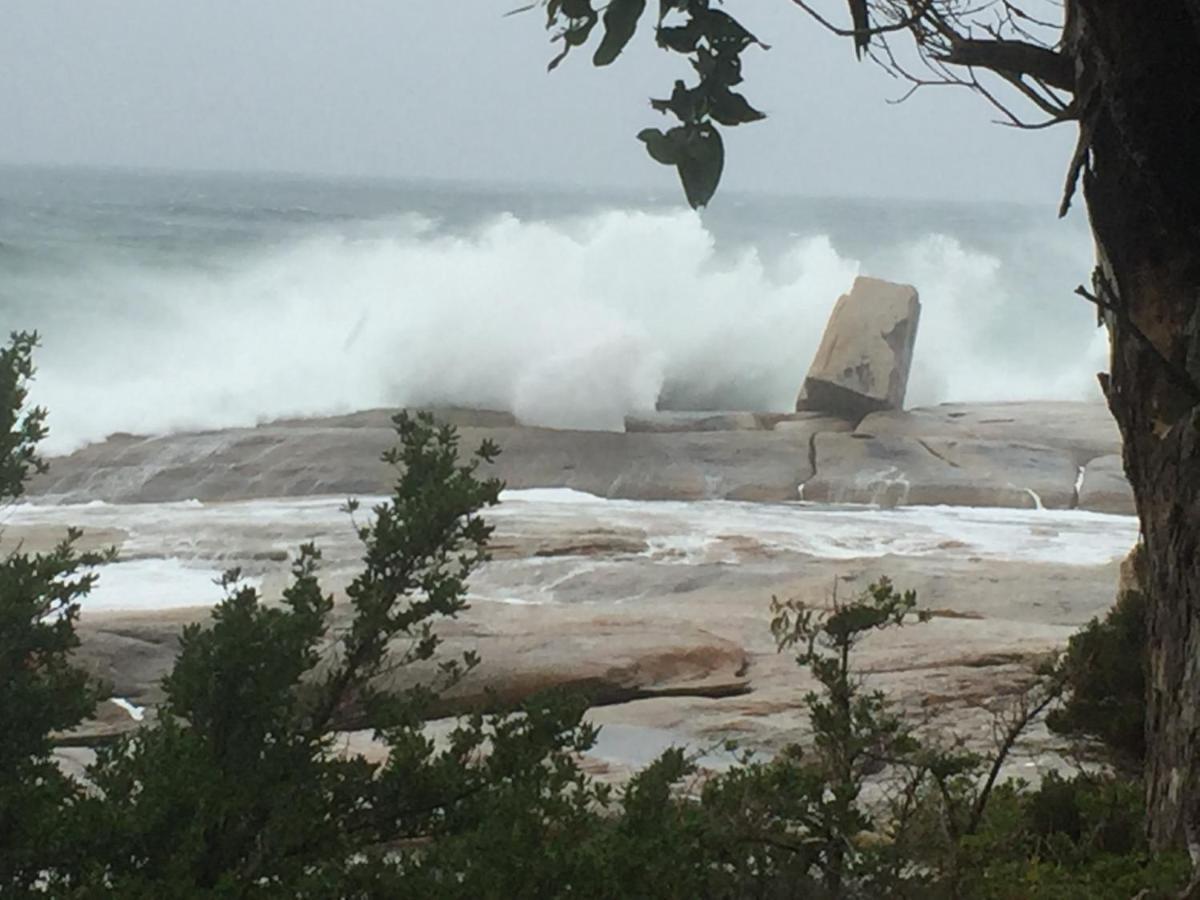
(318,458)
(524,651)
(132,652)
(676,635)
(865,355)
(693,421)
(806,423)
(608,661)
(1105,488)
(903,471)
(110,720)
(767,462)
(1084,430)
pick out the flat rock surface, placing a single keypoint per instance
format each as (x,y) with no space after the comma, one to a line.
(895,470)
(659,610)
(341,457)
(988,454)
(523,649)
(1104,487)
(1082,430)
(735,420)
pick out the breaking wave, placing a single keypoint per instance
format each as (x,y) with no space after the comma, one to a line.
(567,322)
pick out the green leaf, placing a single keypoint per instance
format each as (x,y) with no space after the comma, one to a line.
(680,38)
(686,105)
(701,165)
(730,108)
(577,34)
(664,148)
(620,23)
(578,9)
(724,32)
(666,7)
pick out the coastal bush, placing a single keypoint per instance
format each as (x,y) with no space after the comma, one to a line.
(1104,668)
(240,786)
(40,691)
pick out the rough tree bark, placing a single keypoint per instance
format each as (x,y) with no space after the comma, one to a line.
(1138,95)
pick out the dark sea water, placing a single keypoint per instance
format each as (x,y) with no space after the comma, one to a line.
(173,300)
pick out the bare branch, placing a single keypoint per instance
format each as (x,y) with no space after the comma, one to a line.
(865,33)
(1017,57)
(1026,711)
(960,42)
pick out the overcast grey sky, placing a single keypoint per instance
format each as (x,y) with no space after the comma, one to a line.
(448,88)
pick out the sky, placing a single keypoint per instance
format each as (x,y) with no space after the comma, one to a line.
(452,89)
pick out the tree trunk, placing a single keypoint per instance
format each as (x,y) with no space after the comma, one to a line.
(1138,88)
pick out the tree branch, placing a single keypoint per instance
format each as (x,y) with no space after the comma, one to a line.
(866,33)
(1016,57)
(1180,377)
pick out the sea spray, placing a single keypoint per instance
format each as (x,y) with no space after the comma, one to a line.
(214,313)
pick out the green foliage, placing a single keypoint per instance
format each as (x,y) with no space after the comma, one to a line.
(1105,673)
(1070,838)
(40,691)
(21,427)
(620,22)
(239,782)
(713,42)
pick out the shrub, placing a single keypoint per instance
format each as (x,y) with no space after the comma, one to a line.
(40,691)
(1104,669)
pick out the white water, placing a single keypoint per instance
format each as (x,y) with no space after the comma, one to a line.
(174,550)
(570,322)
(153,584)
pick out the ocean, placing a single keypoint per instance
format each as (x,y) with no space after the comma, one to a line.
(171,301)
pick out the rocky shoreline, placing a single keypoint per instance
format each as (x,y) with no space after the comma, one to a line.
(659,610)
(1057,455)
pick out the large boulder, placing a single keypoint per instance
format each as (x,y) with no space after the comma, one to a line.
(866,352)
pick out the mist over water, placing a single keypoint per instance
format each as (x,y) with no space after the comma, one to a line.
(199,301)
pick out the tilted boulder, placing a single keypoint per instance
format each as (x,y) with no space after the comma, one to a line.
(866,352)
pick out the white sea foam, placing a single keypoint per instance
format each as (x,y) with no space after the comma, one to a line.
(570,322)
(677,531)
(137,713)
(173,548)
(152,584)
(693,532)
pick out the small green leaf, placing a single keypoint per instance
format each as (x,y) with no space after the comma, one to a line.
(730,108)
(701,165)
(666,6)
(578,9)
(664,148)
(723,32)
(680,38)
(577,33)
(686,105)
(620,23)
